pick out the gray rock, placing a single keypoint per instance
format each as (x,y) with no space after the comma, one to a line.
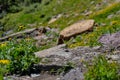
(56,51)
(110,16)
(46,77)
(35,75)
(60,55)
(110,41)
(23,34)
(74,74)
(18,78)
(113,57)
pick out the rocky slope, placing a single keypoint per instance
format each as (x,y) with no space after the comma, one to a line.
(82,35)
(71,62)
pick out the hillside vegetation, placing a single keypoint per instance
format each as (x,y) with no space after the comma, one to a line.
(20,15)
(105,13)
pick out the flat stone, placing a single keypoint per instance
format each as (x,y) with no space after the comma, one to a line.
(56,51)
(23,34)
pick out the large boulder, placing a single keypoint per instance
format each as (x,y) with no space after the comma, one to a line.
(75,29)
(61,55)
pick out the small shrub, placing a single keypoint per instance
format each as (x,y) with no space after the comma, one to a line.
(102,70)
(20,54)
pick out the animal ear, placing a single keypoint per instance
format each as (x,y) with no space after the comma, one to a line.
(60,40)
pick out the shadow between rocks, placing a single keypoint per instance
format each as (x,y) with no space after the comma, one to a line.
(49,69)
(52,69)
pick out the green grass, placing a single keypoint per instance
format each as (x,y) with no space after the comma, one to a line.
(111,25)
(106,11)
(73,11)
(32,14)
(19,56)
(91,39)
(102,70)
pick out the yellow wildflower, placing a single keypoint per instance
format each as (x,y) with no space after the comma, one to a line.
(21,27)
(10,39)
(3,44)
(4,61)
